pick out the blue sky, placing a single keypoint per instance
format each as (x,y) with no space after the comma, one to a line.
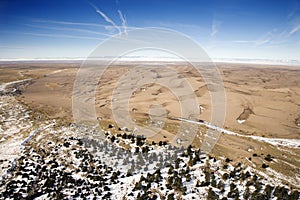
(254,29)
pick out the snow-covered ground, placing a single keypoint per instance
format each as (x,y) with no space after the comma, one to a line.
(4,86)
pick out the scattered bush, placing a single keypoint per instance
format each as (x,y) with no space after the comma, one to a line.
(268,158)
(264,166)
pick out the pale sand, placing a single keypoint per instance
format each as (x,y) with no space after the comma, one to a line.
(265,97)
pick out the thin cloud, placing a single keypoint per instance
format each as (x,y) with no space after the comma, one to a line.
(295,29)
(18,47)
(215,28)
(78,24)
(180,25)
(294,20)
(262,41)
(68,23)
(68,36)
(257,42)
(68,29)
(265,39)
(245,41)
(124,22)
(62,36)
(53,35)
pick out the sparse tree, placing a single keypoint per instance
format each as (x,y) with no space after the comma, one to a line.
(211,195)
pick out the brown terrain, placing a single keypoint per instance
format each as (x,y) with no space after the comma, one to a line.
(261,100)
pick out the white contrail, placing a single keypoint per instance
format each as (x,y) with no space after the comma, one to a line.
(295,29)
(106,18)
(214,28)
(124,22)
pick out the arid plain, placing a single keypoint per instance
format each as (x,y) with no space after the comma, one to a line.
(262,101)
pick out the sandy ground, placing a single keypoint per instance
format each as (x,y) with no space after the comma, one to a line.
(261,100)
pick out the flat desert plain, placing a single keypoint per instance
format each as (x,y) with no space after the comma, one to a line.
(262,105)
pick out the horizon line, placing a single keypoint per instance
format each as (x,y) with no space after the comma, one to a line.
(291,62)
